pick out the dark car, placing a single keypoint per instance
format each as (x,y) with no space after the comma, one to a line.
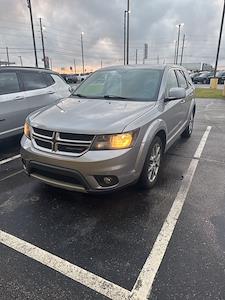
(203,78)
(70,78)
(221,77)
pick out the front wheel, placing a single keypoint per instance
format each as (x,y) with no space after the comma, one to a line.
(152,165)
(189,129)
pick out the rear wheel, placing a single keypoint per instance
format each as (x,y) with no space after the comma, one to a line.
(152,165)
(188,131)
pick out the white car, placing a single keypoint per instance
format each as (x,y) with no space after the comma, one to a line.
(24,90)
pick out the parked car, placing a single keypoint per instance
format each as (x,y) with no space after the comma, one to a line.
(23,90)
(221,77)
(203,78)
(82,77)
(113,131)
(193,75)
(70,78)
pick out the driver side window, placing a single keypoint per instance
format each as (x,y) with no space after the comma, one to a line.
(171,81)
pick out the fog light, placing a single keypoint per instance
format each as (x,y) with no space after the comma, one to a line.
(106,181)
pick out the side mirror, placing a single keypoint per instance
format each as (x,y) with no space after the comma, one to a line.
(175,94)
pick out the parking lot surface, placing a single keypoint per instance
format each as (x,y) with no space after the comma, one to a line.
(110,246)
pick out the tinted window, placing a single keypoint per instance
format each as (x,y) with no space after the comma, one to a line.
(8,83)
(133,84)
(171,81)
(48,78)
(33,80)
(181,79)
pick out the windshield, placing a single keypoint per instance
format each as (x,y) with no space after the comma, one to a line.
(132,84)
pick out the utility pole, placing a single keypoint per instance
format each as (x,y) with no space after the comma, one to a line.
(178,40)
(124,36)
(128,29)
(75,67)
(21,62)
(175,53)
(7,54)
(32,29)
(82,49)
(43,44)
(220,36)
(136,57)
(50,63)
(182,51)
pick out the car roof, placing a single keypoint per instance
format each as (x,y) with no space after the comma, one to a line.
(142,66)
(26,68)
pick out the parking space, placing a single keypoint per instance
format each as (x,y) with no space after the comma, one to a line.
(112,236)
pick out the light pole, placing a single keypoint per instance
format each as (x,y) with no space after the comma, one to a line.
(21,62)
(32,29)
(128,29)
(124,36)
(82,49)
(175,53)
(178,40)
(43,44)
(182,51)
(219,42)
(136,57)
(75,67)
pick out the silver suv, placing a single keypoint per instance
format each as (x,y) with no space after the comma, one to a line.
(112,131)
(24,90)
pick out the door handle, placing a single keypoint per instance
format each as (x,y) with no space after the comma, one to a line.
(183,101)
(51,92)
(19,98)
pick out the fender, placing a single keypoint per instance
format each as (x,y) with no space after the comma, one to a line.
(150,133)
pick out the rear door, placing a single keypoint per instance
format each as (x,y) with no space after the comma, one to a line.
(12,109)
(37,89)
(185,103)
(172,110)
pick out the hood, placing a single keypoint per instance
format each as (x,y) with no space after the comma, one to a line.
(89,116)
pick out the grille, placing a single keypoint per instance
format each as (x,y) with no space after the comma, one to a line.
(61,142)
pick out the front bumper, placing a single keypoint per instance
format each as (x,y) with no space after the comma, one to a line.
(79,173)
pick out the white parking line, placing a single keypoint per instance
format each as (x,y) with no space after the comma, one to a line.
(201,146)
(64,267)
(4,161)
(144,282)
(11,175)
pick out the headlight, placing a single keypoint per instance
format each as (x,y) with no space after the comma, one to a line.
(26,130)
(115,141)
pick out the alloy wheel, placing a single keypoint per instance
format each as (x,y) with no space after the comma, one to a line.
(154,162)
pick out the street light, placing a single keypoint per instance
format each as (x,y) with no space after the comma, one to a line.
(82,49)
(220,36)
(178,39)
(32,29)
(128,29)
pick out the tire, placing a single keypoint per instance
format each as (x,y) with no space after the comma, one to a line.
(204,81)
(152,165)
(189,129)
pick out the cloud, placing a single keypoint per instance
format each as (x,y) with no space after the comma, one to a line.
(153,22)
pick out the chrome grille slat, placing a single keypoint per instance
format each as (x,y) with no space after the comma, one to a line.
(74,147)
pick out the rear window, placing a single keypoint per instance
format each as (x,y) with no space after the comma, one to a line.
(9,83)
(34,80)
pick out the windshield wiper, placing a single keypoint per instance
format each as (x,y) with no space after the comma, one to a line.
(113,97)
(80,95)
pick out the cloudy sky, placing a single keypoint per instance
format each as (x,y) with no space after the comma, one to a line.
(151,21)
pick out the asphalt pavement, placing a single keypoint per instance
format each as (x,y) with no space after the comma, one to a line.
(103,245)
